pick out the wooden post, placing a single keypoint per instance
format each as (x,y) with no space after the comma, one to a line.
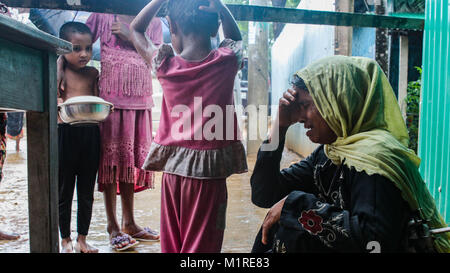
(43,166)
(28,76)
(258,82)
(381,40)
(344,35)
(403,74)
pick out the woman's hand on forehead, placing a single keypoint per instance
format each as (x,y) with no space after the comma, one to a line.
(290,95)
(287,108)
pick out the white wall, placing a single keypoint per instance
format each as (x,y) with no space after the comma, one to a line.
(297,46)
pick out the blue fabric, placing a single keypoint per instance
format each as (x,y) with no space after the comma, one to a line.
(15,123)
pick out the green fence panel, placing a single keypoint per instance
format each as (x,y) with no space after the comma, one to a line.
(434,127)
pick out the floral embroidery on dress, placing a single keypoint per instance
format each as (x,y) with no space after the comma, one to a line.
(327,231)
(311,222)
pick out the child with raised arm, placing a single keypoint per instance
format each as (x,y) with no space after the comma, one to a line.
(195,150)
(78,145)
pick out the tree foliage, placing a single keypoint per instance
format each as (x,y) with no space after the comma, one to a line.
(412,110)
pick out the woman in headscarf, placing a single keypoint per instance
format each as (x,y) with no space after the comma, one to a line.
(358,190)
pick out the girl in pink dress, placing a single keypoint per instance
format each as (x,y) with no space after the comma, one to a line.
(125,81)
(197,145)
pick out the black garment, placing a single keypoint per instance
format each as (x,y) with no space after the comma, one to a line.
(329,208)
(3,123)
(79,152)
(15,123)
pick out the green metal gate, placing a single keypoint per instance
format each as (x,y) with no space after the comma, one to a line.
(434,131)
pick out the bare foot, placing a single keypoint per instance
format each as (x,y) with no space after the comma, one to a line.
(66,245)
(8,236)
(83,247)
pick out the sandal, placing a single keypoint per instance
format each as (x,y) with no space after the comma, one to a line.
(120,239)
(140,235)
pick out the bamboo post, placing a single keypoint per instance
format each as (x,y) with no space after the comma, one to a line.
(258,82)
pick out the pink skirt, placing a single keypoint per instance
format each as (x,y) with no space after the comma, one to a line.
(126,136)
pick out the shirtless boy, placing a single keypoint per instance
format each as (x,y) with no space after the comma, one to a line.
(78,145)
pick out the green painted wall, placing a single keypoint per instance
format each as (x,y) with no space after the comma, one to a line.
(434,127)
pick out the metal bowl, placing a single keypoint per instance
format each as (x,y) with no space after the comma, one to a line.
(84,110)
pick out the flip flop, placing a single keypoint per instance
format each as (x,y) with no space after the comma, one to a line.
(121,239)
(139,236)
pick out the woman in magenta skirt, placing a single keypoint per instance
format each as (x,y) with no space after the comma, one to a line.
(126,135)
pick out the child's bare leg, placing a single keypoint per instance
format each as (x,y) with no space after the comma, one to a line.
(129,225)
(18,145)
(127,197)
(113,228)
(109,194)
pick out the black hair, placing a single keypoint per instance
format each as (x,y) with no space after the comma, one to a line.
(191,19)
(299,82)
(69,28)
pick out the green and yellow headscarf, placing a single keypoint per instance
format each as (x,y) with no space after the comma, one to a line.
(356,100)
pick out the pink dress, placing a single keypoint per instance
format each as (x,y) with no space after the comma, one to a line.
(197,146)
(197,96)
(125,81)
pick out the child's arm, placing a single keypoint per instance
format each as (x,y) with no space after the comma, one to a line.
(60,66)
(138,27)
(96,89)
(230,27)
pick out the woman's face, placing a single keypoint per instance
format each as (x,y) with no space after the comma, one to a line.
(318,130)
